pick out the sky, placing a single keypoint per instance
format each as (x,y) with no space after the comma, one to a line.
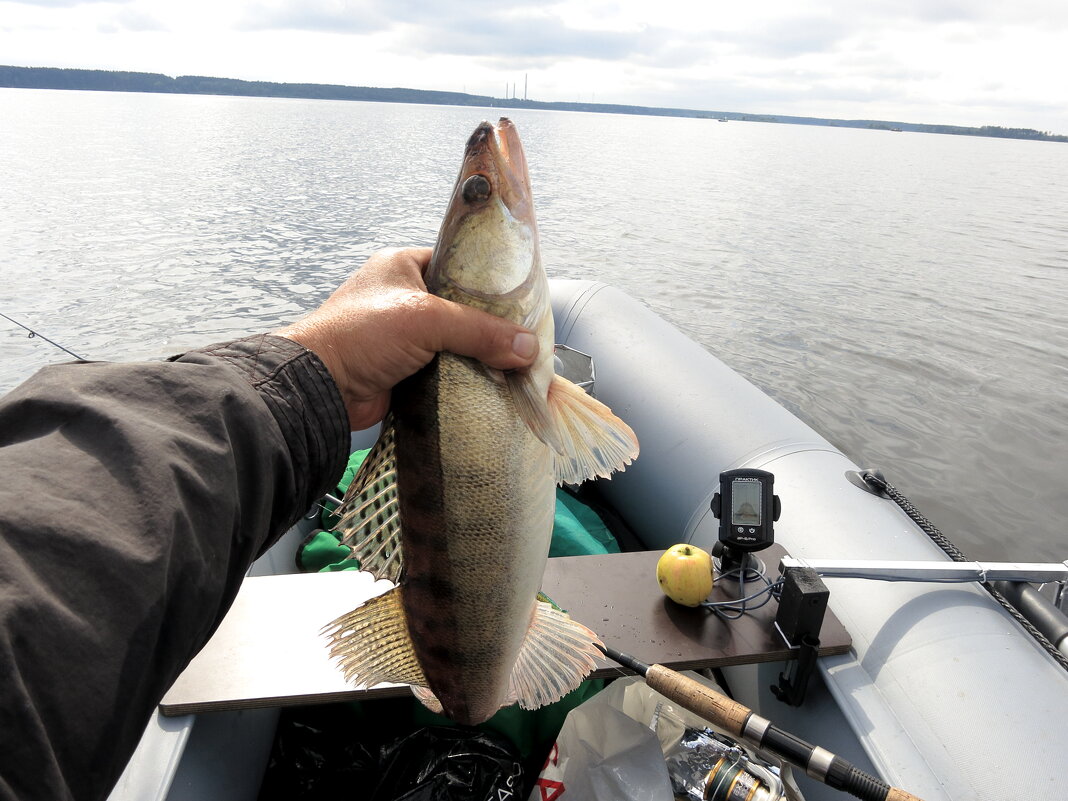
(953,62)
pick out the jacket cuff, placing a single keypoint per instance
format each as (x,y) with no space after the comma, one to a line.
(304,400)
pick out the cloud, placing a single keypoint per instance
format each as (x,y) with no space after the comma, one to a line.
(365,16)
(515,36)
(330,16)
(920,59)
(64,3)
(508,31)
(916,13)
(787,38)
(132,19)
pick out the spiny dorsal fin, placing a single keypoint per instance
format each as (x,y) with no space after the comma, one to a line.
(371,643)
(595,442)
(557,655)
(369,512)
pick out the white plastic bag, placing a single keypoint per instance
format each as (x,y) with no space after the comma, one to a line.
(603,754)
(612,747)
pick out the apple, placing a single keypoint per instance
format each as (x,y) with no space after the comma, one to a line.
(684,573)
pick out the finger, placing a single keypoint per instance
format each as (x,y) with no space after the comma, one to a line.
(421,256)
(471,332)
(405,266)
(365,413)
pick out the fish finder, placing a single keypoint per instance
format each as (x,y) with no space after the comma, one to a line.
(746,507)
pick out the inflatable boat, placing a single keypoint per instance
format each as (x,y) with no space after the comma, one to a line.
(943,692)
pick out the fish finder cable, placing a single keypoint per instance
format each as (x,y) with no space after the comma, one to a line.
(740,721)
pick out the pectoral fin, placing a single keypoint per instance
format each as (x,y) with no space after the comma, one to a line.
(587,440)
(557,655)
(594,442)
(370,514)
(371,643)
(532,409)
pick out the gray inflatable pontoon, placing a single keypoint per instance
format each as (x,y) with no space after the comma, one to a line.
(943,694)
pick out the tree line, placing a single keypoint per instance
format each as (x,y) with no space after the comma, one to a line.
(116,81)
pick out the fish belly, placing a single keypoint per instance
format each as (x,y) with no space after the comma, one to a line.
(477,498)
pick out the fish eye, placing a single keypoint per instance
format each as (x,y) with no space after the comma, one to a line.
(476,188)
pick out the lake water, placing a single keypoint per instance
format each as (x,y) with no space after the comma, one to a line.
(904,294)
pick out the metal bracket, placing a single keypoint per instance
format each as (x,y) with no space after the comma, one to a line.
(575,366)
(793,682)
(941,572)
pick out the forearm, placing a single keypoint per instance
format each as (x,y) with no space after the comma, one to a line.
(132,500)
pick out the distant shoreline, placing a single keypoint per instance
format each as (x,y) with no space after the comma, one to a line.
(114,81)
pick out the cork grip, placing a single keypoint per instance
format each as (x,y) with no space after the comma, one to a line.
(894,794)
(704,701)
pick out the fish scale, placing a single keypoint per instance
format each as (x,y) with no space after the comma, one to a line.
(479,434)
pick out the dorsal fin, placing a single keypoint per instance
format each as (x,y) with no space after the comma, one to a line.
(370,513)
(371,643)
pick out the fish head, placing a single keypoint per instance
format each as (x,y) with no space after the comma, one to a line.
(487,257)
(487,253)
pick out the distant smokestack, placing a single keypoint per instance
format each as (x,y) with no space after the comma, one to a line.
(525,75)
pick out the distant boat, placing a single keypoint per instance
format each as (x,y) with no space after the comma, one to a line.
(723,119)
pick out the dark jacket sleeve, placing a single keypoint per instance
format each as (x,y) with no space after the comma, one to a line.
(133,498)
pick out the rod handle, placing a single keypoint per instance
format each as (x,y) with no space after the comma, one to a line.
(897,794)
(856,782)
(704,701)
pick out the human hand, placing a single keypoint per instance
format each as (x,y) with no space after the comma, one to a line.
(381,326)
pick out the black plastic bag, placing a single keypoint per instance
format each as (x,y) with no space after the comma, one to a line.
(440,763)
(315,759)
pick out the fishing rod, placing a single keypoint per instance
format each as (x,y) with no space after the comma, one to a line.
(42,336)
(738,720)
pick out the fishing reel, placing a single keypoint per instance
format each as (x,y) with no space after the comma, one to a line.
(708,766)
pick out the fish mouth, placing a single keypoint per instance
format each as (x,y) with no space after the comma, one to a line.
(495,164)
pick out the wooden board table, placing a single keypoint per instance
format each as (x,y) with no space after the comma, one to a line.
(618,597)
(268,650)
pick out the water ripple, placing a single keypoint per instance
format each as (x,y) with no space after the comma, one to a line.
(903,294)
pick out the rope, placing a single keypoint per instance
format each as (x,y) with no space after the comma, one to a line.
(876,480)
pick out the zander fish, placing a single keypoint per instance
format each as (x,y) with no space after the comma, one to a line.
(455,503)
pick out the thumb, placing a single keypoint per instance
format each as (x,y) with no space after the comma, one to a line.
(472,332)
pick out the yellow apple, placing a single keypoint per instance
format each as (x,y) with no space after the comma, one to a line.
(684,573)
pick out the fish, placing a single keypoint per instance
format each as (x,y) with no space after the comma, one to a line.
(455,502)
